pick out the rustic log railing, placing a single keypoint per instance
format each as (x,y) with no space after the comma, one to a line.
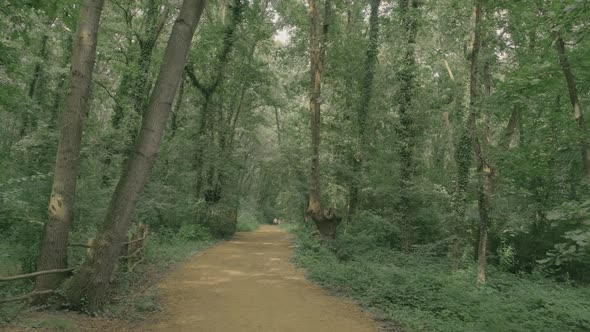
(135,247)
(31,275)
(134,250)
(26,296)
(35,274)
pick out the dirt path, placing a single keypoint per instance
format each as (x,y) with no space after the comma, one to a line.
(248,284)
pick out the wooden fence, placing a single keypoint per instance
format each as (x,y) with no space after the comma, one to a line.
(132,254)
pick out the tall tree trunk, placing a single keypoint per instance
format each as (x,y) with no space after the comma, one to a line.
(363,109)
(53,252)
(510,128)
(29,118)
(326,221)
(468,141)
(485,170)
(573,93)
(87,289)
(407,86)
(37,72)
(58,95)
(451,141)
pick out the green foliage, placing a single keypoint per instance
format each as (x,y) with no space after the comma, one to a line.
(421,292)
(10,264)
(247,222)
(244,149)
(194,232)
(571,220)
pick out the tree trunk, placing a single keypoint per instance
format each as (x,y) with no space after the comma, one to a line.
(53,252)
(363,110)
(510,129)
(468,141)
(407,85)
(39,76)
(573,93)
(484,204)
(88,288)
(451,141)
(325,221)
(485,171)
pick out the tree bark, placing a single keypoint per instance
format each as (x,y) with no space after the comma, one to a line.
(363,109)
(53,251)
(573,93)
(88,288)
(326,221)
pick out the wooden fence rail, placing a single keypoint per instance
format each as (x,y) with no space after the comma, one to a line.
(35,274)
(27,296)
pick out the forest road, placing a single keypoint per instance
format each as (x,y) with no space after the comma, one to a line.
(247,284)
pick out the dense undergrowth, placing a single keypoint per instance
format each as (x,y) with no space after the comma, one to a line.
(423,292)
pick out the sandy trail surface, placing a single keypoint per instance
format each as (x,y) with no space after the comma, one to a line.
(247,284)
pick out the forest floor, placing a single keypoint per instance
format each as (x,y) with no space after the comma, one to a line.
(245,284)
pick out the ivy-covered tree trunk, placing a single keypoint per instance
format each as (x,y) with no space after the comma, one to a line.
(38,85)
(409,12)
(236,16)
(575,101)
(468,140)
(325,220)
(59,93)
(87,289)
(35,94)
(54,244)
(154,23)
(485,171)
(134,87)
(363,109)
